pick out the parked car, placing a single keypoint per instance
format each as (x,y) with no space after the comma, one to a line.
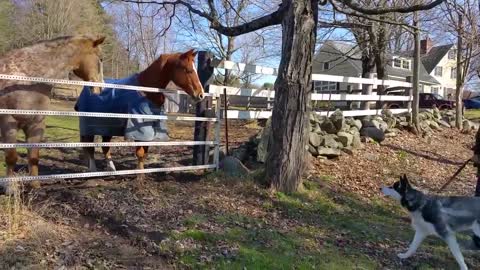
(472,103)
(426,101)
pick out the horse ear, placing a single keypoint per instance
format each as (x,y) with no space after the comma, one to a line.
(98,41)
(190,52)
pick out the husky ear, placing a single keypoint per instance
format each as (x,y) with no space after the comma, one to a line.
(403,182)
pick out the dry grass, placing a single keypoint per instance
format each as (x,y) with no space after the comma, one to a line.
(12,212)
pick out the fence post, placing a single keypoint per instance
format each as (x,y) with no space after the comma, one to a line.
(205,74)
(410,94)
(367,89)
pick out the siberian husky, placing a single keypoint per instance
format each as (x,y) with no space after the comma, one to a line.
(437,215)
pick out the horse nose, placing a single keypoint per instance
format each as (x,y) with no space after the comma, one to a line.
(200,96)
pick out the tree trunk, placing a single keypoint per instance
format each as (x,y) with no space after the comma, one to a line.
(285,163)
(416,71)
(459,83)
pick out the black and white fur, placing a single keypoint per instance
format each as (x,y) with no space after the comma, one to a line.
(436,215)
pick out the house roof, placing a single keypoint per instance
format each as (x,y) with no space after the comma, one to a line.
(433,57)
(353,55)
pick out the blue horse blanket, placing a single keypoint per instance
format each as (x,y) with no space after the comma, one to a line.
(121,101)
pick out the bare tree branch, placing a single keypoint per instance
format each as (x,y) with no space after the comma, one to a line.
(377,11)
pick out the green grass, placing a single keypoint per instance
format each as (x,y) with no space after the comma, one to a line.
(59,129)
(472,114)
(322,229)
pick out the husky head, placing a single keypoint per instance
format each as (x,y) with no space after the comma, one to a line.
(398,189)
(402,191)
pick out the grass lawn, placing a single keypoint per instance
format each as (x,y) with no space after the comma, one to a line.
(472,114)
(59,129)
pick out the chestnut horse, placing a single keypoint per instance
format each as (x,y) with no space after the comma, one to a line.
(178,68)
(52,59)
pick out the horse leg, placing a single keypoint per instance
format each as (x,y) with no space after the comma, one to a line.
(107,153)
(34,134)
(9,135)
(89,152)
(141,153)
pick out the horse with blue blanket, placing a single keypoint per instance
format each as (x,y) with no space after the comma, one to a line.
(177,67)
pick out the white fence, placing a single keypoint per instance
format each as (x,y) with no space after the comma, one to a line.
(214,143)
(269,94)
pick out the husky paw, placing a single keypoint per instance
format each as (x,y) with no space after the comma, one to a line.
(403,255)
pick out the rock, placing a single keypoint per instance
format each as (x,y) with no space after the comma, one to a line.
(329,152)
(240,153)
(402,119)
(330,140)
(390,134)
(345,138)
(348,150)
(328,127)
(320,118)
(234,167)
(391,122)
(404,124)
(382,126)
(452,123)
(466,126)
(387,113)
(358,124)
(436,113)
(393,130)
(434,125)
(444,123)
(315,139)
(367,122)
(425,127)
(338,120)
(349,121)
(316,128)
(312,150)
(263,146)
(375,123)
(372,132)
(356,141)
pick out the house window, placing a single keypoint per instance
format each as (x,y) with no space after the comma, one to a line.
(325,86)
(453,74)
(452,54)
(397,62)
(401,63)
(439,71)
(435,90)
(326,66)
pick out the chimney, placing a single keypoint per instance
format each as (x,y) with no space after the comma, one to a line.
(425,45)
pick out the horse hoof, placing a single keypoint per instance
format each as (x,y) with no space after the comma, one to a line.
(111,166)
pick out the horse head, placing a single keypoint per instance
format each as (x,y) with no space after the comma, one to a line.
(184,74)
(89,66)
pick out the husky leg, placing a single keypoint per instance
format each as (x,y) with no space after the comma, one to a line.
(476,233)
(417,240)
(455,249)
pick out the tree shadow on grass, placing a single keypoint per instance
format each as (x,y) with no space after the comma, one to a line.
(438,158)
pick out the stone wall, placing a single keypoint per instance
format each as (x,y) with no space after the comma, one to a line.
(331,136)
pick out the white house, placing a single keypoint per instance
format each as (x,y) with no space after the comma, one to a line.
(440,62)
(343,59)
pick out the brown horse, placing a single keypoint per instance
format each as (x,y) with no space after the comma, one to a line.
(47,59)
(178,68)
